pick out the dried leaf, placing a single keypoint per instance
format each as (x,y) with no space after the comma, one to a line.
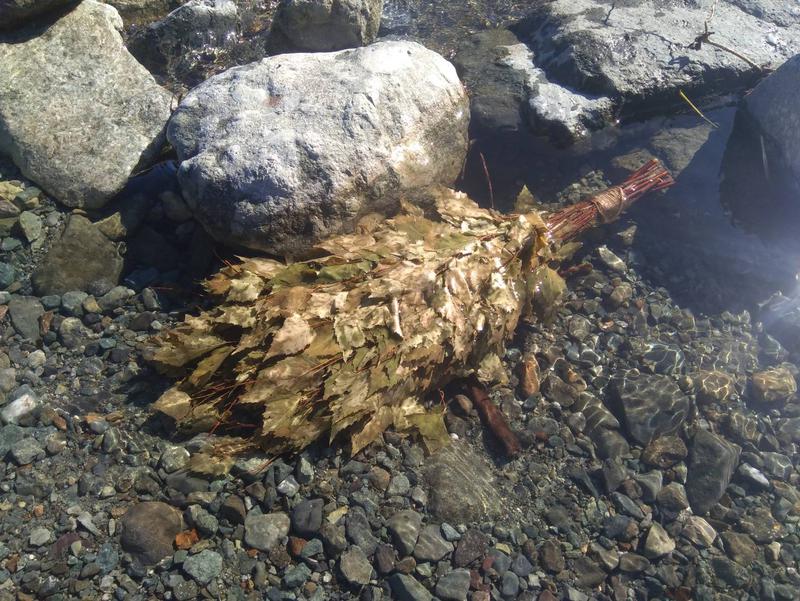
(174,403)
(294,335)
(186,540)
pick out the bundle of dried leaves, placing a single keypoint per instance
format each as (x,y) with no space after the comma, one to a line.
(349,342)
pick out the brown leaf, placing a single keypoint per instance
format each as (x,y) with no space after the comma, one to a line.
(529,375)
(294,335)
(187,539)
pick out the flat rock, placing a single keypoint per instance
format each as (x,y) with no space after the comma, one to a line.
(81,150)
(149,529)
(274,161)
(265,531)
(355,566)
(204,566)
(404,528)
(25,312)
(638,52)
(408,588)
(712,461)
(461,485)
(325,25)
(431,545)
(650,405)
(97,268)
(658,543)
(453,586)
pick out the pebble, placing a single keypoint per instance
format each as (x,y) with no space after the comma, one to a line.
(204,566)
(453,586)
(355,566)
(40,536)
(265,531)
(404,527)
(658,543)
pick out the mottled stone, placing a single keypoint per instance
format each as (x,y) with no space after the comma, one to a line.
(712,462)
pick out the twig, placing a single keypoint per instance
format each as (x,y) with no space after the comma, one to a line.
(493,418)
(697,110)
(705,38)
(488,179)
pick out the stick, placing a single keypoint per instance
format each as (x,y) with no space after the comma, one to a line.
(493,418)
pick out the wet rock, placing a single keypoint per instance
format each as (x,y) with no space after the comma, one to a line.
(699,531)
(611,260)
(404,527)
(714,386)
(712,462)
(550,556)
(274,132)
(175,43)
(307,517)
(20,408)
(773,108)
(632,563)
(359,531)
(325,25)
(431,545)
(31,225)
(774,385)
(407,588)
(658,543)
(664,452)
(609,61)
(97,269)
(265,531)
(17,13)
(740,548)
(673,497)
(25,312)
(453,586)
(26,451)
(204,566)
(149,529)
(40,536)
(651,405)
(470,548)
(730,572)
(355,566)
(461,485)
(80,151)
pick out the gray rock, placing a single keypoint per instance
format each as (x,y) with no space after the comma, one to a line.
(773,107)
(359,532)
(658,543)
(175,43)
(83,259)
(453,586)
(26,451)
(78,149)
(307,517)
(40,536)
(25,312)
(10,434)
(149,529)
(272,160)
(7,275)
(637,53)
(206,524)
(31,225)
(461,485)
(325,25)
(355,566)
(404,528)
(296,576)
(431,545)
(14,13)
(510,93)
(407,588)
(633,563)
(712,461)
(204,566)
(72,332)
(265,531)
(173,458)
(650,405)
(114,298)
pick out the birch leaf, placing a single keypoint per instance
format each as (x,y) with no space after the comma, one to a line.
(295,335)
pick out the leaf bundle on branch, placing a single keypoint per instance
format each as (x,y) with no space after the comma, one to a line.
(349,342)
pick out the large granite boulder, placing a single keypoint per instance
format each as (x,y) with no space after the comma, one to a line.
(325,25)
(638,53)
(14,13)
(280,153)
(78,114)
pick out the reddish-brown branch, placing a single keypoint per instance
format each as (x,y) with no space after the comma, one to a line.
(493,418)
